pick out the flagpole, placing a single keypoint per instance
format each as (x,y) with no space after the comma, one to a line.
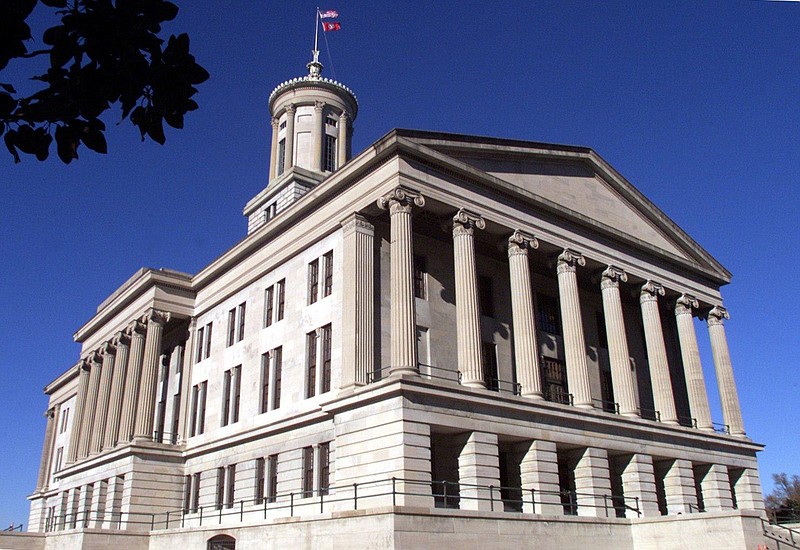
(316,33)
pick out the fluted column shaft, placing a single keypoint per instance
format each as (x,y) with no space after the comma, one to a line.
(731,410)
(358,308)
(341,142)
(317,134)
(288,161)
(122,343)
(657,353)
(273,151)
(468,313)
(47,451)
(89,407)
(108,353)
(130,398)
(150,362)
(80,400)
(403,311)
(690,354)
(526,348)
(618,355)
(572,324)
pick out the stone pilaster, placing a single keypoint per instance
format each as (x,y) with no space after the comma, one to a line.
(468,320)
(122,343)
(84,513)
(89,405)
(108,353)
(400,201)
(358,308)
(572,324)
(619,357)
(716,488)
(273,151)
(288,161)
(150,362)
(130,397)
(593,484)
(98,504)
(47,451)
(657,353)
(341,141)
(77,420)
(747,487)
(690,354)
(639,482)
(539,473)
(679,488)
(526,348)
(479,469)
(731,411)
(317,134)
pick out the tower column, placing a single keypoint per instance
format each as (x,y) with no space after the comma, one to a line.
(122,343)
(525,344)
(147,390)
(468,320)
(618,354)
(108,353)
(657,352)
(130,397)
(273,151)
(574,340)
(317,133)
(288,162)
(341,142)
(731,411)
(47,451)
(358,309)
(80,405)
(89,405)
(400,201)
(690,354)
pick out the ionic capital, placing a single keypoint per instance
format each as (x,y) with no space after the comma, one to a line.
(519,242)
(569,260)
(612,276)
(50,413)
(717,316)
(156,316)
(290,108)
(651,290)
(318,106)
(465,222)
(400,200)
(343,116)
(136,328)
(107,348)
(122,338)
(93,360)
(685,304)
(275,123)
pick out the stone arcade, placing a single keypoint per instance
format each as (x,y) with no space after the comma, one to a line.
(443,340)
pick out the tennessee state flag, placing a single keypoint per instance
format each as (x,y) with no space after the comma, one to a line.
(326,26)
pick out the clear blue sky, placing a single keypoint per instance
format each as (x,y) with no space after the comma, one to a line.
(695,102)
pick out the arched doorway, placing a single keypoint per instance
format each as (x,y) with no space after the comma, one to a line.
(222,542)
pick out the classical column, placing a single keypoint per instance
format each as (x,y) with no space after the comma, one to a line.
(621,377)
(47,451)
(122,343)
(657,352)
(341,142)
(108,353)
(695,383)
(288,160)
(80,400)
(89,405)
(130,397)
(468,314)
(358,308)
(399,201)
(526,349)
(184,421)
(317,134)
(150,362)
(273,152)
(574,342)
(731,411)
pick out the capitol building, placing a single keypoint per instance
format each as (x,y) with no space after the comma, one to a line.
(441,341)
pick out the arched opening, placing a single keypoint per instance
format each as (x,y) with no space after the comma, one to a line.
(222,542)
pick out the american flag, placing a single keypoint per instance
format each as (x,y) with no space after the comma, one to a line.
(329,14)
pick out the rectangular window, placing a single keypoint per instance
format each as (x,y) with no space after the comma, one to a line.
(277,360)
(231,395)
(59,459)
(195,492)
(201,412)
(280,288)
(485,295)
(324,468)
(330,121)
(226,396)
(326,358)
(270,211)
(268,309)
(313,281)
(554,380)
(328,286)
(187,493)
(281,156)
(241,313)
(308,471)
(199,355)
(548,314)
(272,481)
(231,326)
(420,278)
(490,378)
(259,480)
(311,364)
(208,340)
(220,495)
(64,420)
(330,154)
(264,401)
(193,414)
(237,393)
(230,485)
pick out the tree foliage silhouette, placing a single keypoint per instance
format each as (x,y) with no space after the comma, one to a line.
(784,500)
(102,52)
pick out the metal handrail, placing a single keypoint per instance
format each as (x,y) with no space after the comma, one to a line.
(604,402)
(569,399)
(688,421)
(784,535)
(721,428)
(649,414)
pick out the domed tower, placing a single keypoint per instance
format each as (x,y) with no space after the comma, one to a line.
(312,122)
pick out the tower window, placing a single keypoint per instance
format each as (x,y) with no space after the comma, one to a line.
(281,156)
(330,154)
(330,121)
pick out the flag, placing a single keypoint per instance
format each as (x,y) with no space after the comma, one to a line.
(330,26)
(330,14)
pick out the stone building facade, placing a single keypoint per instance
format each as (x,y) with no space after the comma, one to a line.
(444,339)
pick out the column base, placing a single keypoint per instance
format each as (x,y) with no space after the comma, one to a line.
(404,370)
(630,414)
(474,384)
(536,396)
